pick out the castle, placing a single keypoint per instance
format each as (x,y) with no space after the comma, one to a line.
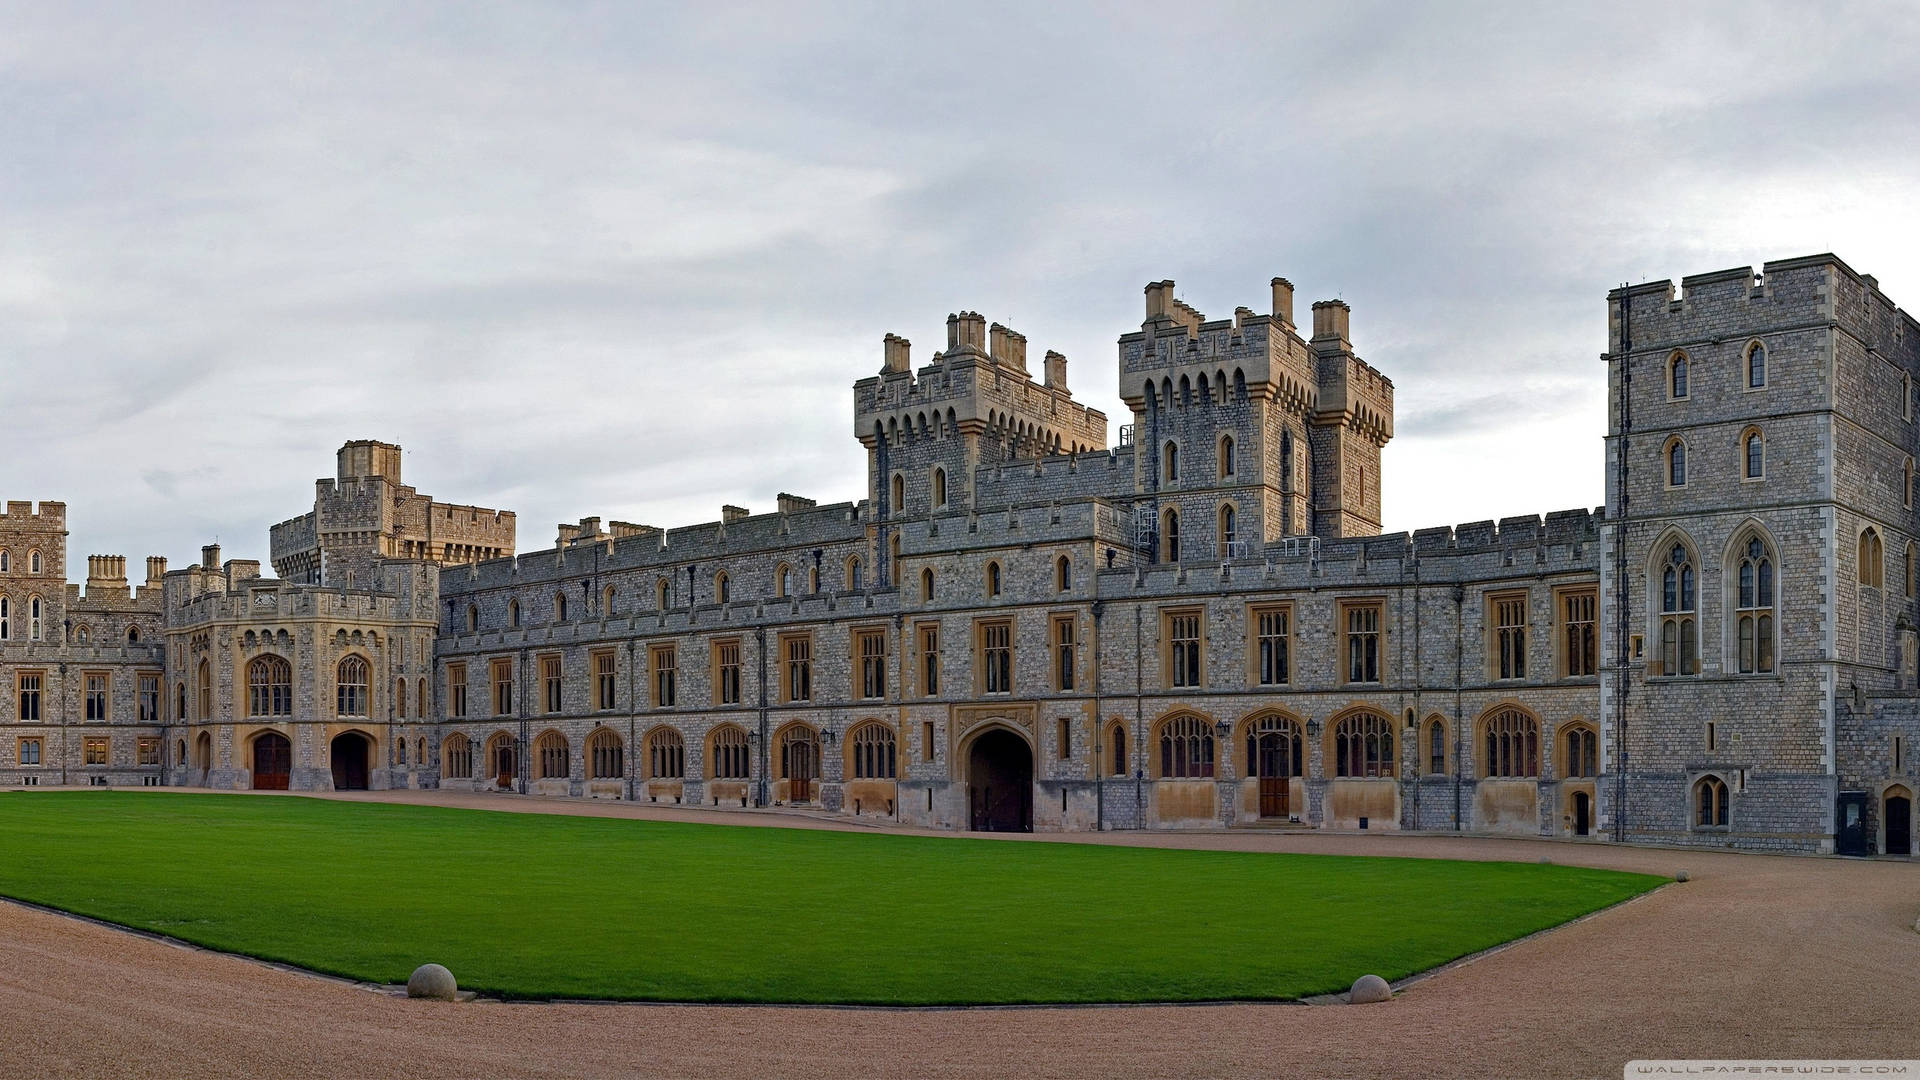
(1021,627)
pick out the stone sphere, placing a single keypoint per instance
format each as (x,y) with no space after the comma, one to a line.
(1368,989)
(432,981)
(1682,876)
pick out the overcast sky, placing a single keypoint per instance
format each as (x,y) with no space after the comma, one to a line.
(627,261)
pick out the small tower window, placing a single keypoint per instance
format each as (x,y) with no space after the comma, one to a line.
(1756,456)
(1676,464)
(1172,462)
(939,487)
(1170,537)
(1226,457)
(1756,366)
(1063,573)
(1677,376)
(993,579)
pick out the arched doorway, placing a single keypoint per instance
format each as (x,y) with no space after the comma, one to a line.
(799,762)
(502,758)
(1000,783)
(1582,813)
(203,756)
(1897,814)
(350,754)
(272,762)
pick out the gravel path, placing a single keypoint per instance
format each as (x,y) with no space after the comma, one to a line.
(1757,956)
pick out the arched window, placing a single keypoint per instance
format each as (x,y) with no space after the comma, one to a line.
(1186,748)
(1677,376)
(1913,571)
(607,597)
(606,755)
(1906,485)
(899,492)
(1512,744)
(813,580)
(873,752)
(722,588)
(993,579)
(666,754)
(926,586)
(550,754)
(853,573)
(1363,746)
(1756,366)
(33,619)
(457,758)
(1871,561)
(1753,607)
(1063,573)
(400,698)
(662,592)
(1171,455)
(6,619)
(6,561)
(1676,462)
(513,613)
(473,618)
(1170,537)
(560,607)
(420,698)
(1229,531)
(1436,746)
(180,702)
(1679,643)
(1709,802)
(783,580)
(400,748)
(1754,452)
(203,689)
(939,487)
(269,687)
(33,562)
(1226,457)
(1117,738)
(1274,748)
(893,559)
(729,753)
(1580,752)
(352,689)
(133,635)
(82,634)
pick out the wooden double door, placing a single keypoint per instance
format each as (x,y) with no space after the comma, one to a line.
(272,762)
(1274,760)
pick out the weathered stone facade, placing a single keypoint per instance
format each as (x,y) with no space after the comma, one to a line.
(1020,627)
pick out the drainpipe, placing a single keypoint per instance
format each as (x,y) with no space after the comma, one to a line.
(760,647)
(522,767)
(633,724)
(1099,721)
(1623,621)
(1139,722)
(1459,725)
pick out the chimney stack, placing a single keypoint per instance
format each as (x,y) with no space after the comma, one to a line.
(210,557)
(896,353)
(731,514)
(156,568)
(1009,348)
(791,503)
(1330,320)
(1283,301)
(1159,299)
(1056,370)
(967,332)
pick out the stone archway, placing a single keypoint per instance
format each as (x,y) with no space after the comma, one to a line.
(1896,821)
(999,782)
(351,754)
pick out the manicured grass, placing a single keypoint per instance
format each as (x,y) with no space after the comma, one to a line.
(537,906)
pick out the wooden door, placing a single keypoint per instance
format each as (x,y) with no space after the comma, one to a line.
(503,765)
(800,771)
(272,762)
(1899,818)
(1275,767)
(1582,814)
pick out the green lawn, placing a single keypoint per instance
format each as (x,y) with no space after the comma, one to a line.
(538,906)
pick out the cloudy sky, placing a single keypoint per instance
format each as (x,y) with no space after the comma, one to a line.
(627,261)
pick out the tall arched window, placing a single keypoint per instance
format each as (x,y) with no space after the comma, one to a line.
(662,592)
(1677,375)
(1186,748)
(1580,756)
(473,618)
(666,754)
(559,607)
(873,752)
(1676,462)
(6,561)
(1229,528)
(6,619)
(33,618)
(722,588)
(203,689)
(899,493)
(1436,746)
(352,687)
(993,579)
(1679,644)
(269,687)
(607,597)
(606,755)
(893,559)
(1754,451)
(1753,607)
(1756,366)
(456,757)
(33,562)
(939,487)
(550,754)
(1906,485)
(1170,537)
(783,580)
(853,573)
(1709,802)
(513,613)
(1117,748)
(1063,573)
(1171,457)
(1512,744)
(1363,746)
(729,753)
(1912,575)
(1871,560)
(926,586)
(1227,463)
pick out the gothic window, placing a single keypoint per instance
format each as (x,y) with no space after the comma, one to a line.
(1436,746)
(853,573)
(351,697)
(1170,537)
(269,687)
(6,619)
(996,657)
(783,580)
(1679,642)
(1754,452)
(1183,648)
(559,607)
(1512,744)
(666,754)
(33,618)
(1677,376)
(662,592)
(993,579)
(926,586)
(1186,748)
(6,561)
(513,613)
(1579,644)
(1227,462)
(1363,643)
(1871,569)
(1676,462)
(939,487)
(456,757)
(1912,584)
(873,752)
(1117,738)
(1709,803)
(1756,366)
(1229,530)
(1273,641)
(473,618)
(893,560)
(899,492)
(550,751)
(1279,738)
(1753,606)
(722,588)
(1363,746)
(1172,460)
(1509,636)
(606,603)
(1063,573)
(1582,752)
(203,688)
(729,753)
(33,562)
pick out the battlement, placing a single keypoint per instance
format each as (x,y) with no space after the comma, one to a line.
(1785,293)
(50,515)
(364,458)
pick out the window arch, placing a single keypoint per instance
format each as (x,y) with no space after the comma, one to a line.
(1913,571)
(926,586)
(1872,569)
(606,755)
(1579,751)
(1756,366)
(133,635)
(1679,637)
(1227,462)
(783,580)
(1753,455)
(1275,747)
(473,618)
(1709,802)
(939,487)
(33,618)
(1170,457)
(893,560)
(180,702)
(559,607)
(6,561)
(722,588)
(1170,537)
(1906,485)
(456,757)
(607,598)
(1676,462)
(853,573)
(33,561)
(1753,604)
(1363,746)
(1436,745)
(400,748)
(993,578)
(6,619)
(203,689)
(666,754)
(1062,574)
(1229,528)
(82,634)
(1117,747)
(662,592)
(1677,376)
(813,579)
(729,758)
(872,745)
(1511,739)
(550,754)
(513,613)
(898,489)
(1186,748)
(269,686)
(351,696)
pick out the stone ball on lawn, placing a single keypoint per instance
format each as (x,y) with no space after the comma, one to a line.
(1682,876)
(432,981)
(1368,989)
